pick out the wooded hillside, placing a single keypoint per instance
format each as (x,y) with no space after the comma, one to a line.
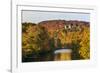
(40,40)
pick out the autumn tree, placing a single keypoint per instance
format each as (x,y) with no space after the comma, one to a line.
(85,44)
(34,40)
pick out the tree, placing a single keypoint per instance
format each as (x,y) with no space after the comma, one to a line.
(35,40)
(85,44)
(26,25)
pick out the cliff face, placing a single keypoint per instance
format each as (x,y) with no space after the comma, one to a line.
(58,24)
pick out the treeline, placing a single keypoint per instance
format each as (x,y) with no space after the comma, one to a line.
(39,41)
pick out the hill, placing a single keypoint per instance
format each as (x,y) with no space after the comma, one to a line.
(59,24)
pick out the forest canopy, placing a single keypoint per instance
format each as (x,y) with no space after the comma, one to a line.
(40,40)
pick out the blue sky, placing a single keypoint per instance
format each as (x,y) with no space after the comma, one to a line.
(38,16)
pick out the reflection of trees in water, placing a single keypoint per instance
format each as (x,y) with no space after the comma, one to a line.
(38,45)
(42,56)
